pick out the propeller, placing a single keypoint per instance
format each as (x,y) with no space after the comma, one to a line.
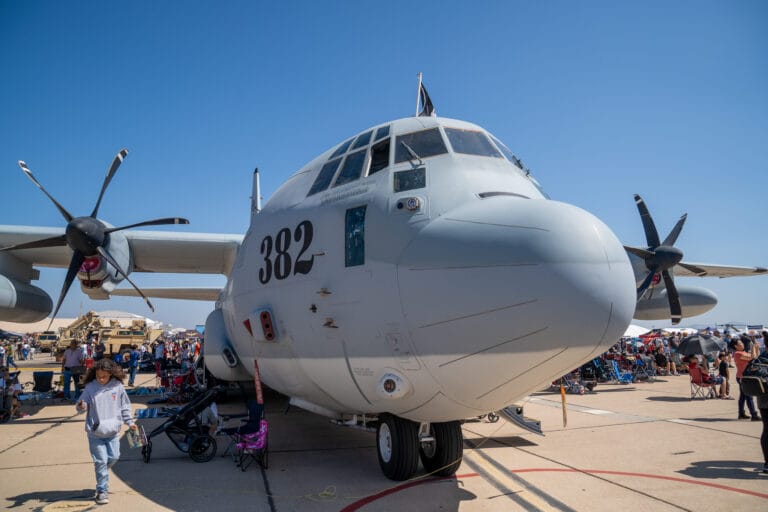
(87,236)
(659,257)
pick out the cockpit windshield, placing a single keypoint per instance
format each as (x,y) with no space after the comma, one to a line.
(425,143)
(471,142)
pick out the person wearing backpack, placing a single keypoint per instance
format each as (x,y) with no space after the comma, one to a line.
(742,358)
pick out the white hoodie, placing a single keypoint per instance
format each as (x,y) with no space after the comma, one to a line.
(108,407)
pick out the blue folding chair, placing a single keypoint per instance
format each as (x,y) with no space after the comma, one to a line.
(621,376)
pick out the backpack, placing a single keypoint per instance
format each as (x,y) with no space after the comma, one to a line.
(754,380)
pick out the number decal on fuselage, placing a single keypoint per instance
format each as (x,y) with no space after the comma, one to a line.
(280,264)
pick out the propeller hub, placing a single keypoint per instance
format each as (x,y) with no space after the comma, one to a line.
(666,257)
(85,235)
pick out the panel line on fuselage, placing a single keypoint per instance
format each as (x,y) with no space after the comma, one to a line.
(515,226)
(537,331)
(478,314)
(518,376)
(351,373)
(464,267)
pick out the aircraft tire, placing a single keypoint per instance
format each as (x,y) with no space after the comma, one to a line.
(397,441)
(443,456)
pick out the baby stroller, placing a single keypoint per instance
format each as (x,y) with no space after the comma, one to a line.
(187,430)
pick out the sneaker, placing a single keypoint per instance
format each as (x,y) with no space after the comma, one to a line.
(756,418)
(743,417)
(102,498)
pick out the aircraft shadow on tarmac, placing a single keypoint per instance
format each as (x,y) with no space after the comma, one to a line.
(679,399)
(731,469)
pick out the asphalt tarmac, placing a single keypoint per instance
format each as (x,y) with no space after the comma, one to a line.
(644,446)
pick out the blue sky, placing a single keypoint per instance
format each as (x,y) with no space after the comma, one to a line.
(601,99)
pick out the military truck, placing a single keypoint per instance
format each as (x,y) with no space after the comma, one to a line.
(47,341)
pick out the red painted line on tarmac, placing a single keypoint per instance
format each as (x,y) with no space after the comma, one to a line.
(373,497)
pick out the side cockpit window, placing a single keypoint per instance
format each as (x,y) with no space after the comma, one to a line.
(362,159)
(419,145)
(470,142)
(354,237)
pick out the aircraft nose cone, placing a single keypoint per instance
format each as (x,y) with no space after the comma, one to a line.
(522,291)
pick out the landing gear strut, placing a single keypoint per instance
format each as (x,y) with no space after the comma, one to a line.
(400,445)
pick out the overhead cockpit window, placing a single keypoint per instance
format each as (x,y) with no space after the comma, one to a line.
(363,140)
(379,156)
(419,145)
(381,133)
(471,142)
(353,167)
(324,177)
(341,149)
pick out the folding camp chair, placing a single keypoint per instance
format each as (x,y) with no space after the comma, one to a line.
(698,386)
(42,387)
(644,369)
(248,442)
(621,376)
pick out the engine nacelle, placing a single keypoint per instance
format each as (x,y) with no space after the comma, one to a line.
(97,277)
(694,301)
(220,357)
(21,302)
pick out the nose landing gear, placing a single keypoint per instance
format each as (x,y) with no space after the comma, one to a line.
(400,447)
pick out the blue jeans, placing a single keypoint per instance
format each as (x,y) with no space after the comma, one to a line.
(67,382)
(745,400)
(133,375)
(104,452)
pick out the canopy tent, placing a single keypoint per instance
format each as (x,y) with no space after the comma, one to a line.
(633,331)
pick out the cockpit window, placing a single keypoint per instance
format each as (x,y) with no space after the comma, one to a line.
(471,142)
(381,133)
(353,167)
(363,140)
(424,144)
(324,177)
(341,149)
(379,156)
(507,153)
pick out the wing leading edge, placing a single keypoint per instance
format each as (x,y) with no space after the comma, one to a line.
(710,270)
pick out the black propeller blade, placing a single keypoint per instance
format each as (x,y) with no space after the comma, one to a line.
(660,257)
(88,236)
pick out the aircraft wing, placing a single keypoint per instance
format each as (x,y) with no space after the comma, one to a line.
(151,251)
(209,294)
(684,269)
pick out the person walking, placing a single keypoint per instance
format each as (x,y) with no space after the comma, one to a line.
(742,358)
(133,363)
(108,407)
(73,357)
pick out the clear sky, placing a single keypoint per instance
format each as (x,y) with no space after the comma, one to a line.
(601,99)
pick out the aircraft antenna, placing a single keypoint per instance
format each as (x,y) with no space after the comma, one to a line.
(256,197)
(418,93)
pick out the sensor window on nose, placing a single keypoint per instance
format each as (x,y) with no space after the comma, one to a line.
(410,179)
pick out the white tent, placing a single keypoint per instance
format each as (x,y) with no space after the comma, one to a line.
(633,331)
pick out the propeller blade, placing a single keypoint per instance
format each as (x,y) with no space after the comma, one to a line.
(651,235)
(642,253)
(105,254)
(672,236)
(675,309)
(645,284)
(67,216)
(110,174)
(74,266)
(55,241)
(156,222)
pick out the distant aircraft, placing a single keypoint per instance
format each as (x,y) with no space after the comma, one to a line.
(412,276)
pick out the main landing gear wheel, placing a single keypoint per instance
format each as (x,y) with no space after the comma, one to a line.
(397,441)
(442,457)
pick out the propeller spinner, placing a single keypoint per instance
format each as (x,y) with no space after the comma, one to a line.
(87,236)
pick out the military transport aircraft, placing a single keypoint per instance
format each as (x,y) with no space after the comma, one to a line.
(410,277)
